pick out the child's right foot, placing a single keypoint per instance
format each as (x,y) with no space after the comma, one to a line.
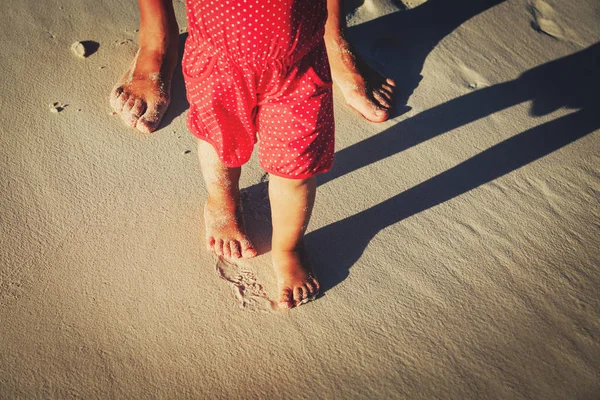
(297,285)
(225,229)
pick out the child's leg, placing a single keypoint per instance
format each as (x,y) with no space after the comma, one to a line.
(222,214)
(291,206)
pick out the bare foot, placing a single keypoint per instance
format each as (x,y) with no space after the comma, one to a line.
(364,89)
(225,229)
(142,95)
(297,285)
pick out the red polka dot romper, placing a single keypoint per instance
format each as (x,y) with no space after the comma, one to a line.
(257,70)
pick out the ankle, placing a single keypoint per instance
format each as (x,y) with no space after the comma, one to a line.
(278,248)
(158,40)
(334,36)
(223,199)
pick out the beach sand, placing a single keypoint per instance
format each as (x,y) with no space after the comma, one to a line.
(457,243)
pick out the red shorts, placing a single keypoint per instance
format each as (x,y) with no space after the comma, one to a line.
(270,85)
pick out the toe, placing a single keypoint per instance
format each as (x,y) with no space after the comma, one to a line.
(114,95)
(150,119)
(218,248)
(235,249)
(387,95)
(121,101)
(227,249)
(388,89)
(381,100)
(368,107)
(299,294)
(132,111)
(210,243)
(145,125)
(376,114)
(286,300)
(126,111)
(248,250)
(311,288)
(316,285)
(128,117)
(138,109)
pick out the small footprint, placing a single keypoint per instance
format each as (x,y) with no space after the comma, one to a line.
(249,293)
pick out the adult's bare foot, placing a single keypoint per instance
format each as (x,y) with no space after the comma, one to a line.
(225,229)
(364,89)
(297,285)
(142,95)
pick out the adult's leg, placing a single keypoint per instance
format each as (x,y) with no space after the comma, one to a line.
(142,95)
(364,89)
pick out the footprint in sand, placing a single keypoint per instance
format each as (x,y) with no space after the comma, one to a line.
(249,293)
(123,42)
(547,20)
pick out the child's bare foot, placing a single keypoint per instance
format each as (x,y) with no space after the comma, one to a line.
(142,95)
(225,229)
(364,89)
(297,285)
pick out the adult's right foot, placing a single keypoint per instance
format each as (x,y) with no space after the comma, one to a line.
(142,95)
(225,234)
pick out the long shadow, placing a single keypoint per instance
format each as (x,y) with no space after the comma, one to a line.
(179,103)
(567,82)
(570,82)
(398,44)
(403,40)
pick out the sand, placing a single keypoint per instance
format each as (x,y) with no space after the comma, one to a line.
(457,243)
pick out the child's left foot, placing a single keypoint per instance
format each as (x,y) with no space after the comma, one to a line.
(297,285)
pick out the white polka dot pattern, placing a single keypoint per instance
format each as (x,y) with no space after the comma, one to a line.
(258,69)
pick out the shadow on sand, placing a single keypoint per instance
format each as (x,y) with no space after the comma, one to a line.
(403,40)
(179,103)
(398,44)
(570,82)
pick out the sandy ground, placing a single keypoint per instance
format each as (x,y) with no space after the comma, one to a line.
(457,243)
